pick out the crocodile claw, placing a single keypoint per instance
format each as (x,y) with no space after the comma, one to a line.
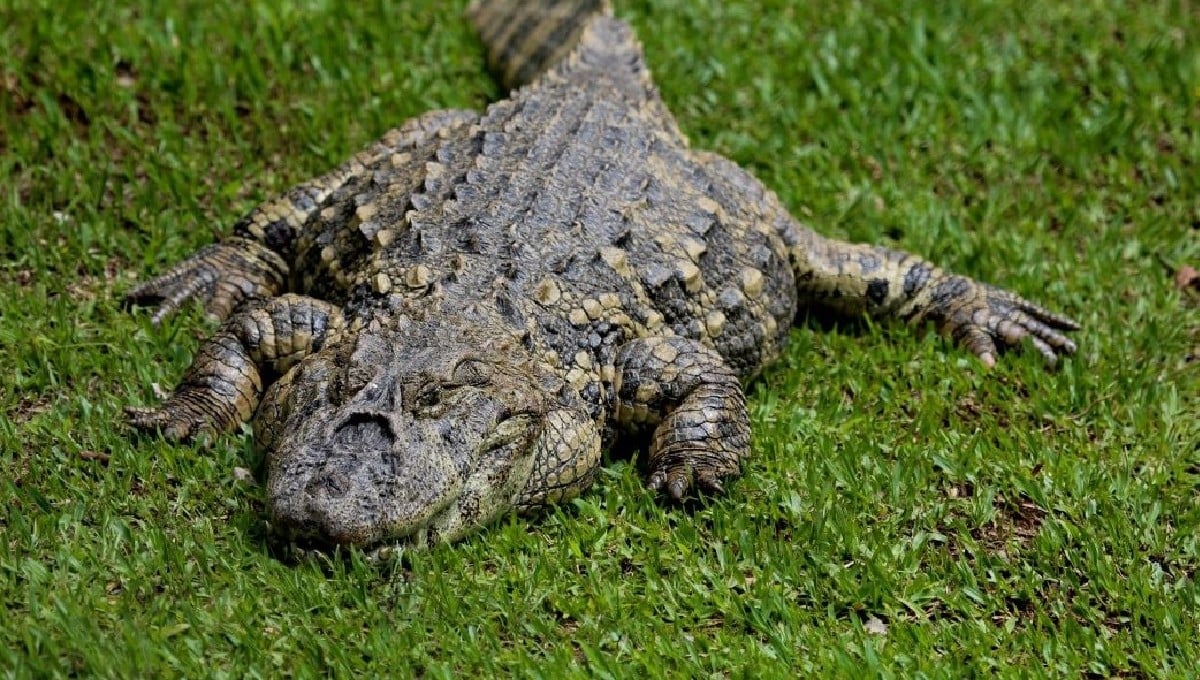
(988,320)
(221,275)
(677,479)
(170,426)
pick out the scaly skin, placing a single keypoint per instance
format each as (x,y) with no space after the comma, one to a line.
(454,323)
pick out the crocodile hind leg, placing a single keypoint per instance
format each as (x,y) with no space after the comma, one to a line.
(222,275)
(695,403)
(856,279)
(222,387)
(255,261)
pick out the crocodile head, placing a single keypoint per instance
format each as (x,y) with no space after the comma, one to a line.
(401,435)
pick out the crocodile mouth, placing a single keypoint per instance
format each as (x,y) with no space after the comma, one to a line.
(370,486)
(365,480)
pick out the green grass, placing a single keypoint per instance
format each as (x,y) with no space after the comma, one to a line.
(1015,521)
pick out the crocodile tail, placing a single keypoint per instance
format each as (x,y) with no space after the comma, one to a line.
(525,38)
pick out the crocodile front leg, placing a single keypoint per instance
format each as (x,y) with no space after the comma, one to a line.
(222,387)
(564,462)
(696,405)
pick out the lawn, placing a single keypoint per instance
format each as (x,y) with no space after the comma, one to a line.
(906,512)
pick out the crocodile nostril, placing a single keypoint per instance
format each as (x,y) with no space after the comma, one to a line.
(365,431)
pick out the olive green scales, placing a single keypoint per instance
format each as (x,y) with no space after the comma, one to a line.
(452,325)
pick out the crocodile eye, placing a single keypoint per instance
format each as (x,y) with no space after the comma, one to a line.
(472,372)
(350,381)
(428,395)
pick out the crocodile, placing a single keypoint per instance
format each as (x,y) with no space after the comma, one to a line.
(455,323)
